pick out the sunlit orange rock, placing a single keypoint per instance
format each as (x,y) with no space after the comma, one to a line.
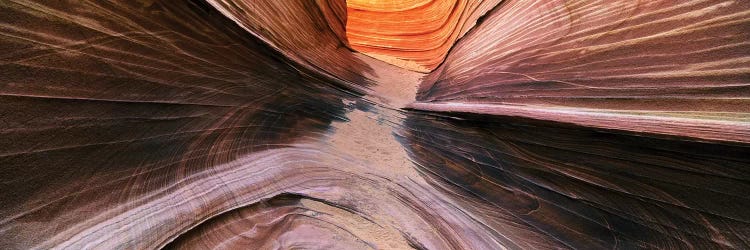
(415,34)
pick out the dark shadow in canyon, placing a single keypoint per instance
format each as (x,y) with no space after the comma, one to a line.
(105,102)
(579,187)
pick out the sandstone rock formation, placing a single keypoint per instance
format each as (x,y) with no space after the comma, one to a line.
(415,34)
(664,67)
(356,124)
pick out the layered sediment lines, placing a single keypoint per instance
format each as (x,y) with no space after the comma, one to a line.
(129,125)
(115,114)
(311,33)
(413,34)
(547,185)
(684,62)
(252,124)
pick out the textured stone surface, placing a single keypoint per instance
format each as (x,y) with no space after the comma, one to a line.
(253,124)
(116,118)
(634,61)
(414,34)
(545,185)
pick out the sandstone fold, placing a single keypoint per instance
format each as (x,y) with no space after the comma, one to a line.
(117,111)
(546,185)
(309,32)
(613,64)
(267,124)
(413,34)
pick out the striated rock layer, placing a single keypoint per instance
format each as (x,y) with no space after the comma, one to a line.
(414,34)
(120,120)
(653,66)
(545,185)
(307,32)
(257,125)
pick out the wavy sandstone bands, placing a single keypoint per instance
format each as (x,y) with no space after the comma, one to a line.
(251,124)
(542,185)
(308,32)
(127,125)
(117,119)
(631,65)
(413,34)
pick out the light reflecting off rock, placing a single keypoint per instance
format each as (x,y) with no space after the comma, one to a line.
(413,124)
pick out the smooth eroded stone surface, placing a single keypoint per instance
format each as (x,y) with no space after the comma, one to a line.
(308,32)
(415,34)
(116,116)
(615,64)
(253,124)
(545,185)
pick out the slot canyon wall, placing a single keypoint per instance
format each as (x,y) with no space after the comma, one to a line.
(413,124)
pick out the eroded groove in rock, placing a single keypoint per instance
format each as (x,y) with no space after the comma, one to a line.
(259,124)
(114,110)
(309,32)
(127,124)
(562,185)
(632,61)
(413,34)
(290,221)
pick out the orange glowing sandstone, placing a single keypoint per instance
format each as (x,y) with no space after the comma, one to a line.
(414,34)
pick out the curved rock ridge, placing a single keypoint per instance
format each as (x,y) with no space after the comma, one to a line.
(129,124)
(412,34)
(288,222)
(116,111)
(309,32)
(545,185)
(615,64)
(256,125)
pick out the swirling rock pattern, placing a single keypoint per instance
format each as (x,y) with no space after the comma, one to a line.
(415,34)
(256,124)
(561,185)
(611,64)
(317,29)
(117,110)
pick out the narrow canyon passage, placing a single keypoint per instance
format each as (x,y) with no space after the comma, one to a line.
(415,124)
